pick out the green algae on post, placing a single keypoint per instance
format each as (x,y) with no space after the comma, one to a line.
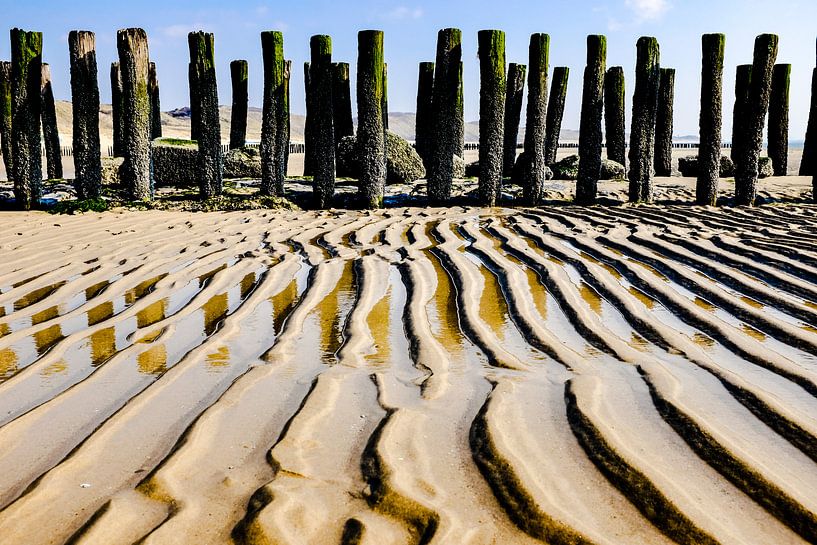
(132,44)
(275,110)
(642,132)
(26,61)
(533,168)
(491,114)
(709,150)
(371,135)
(85,109)
(590,125)
(444,137)
(322,127)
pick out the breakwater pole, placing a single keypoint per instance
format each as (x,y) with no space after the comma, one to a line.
(239,79)
(642,131)
(663,123)
(778,135)
(309,145)
(51,135)
(116,111)
(132,45)
(460,118)
(447,107)
(26,75)
(743,77)
(809,159)
(323,134)
(385,106)
(85,108)
(746,167)
(341,102)
(371,134)
(424,120)
(533,171)
(710,119)
(514,93)
(491,114)
(5,117)
(555,112)
(614,120)
(202,60)
(590,124)
(275,115)
(155,103)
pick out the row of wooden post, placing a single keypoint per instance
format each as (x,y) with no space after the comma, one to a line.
(760,88)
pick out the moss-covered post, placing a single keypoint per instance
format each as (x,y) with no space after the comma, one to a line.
(743,78)
(556,111)
(710,120)
(341,101)
(778,135)
(276,107)
(132,44)
(323,134)
(309,146)
(514,93)
(444,137)
(51,134)
(491,114)
(85,108)
(5,117)
(614,120)
(371,136)
(26,74)
(533,175)
(202,59)
(155,103)
(460,120)
(809,159)
(663,123)
(642,132)
(590,124)
(746,167)
(117,119)
(424,120)
(385,107)
(239,75)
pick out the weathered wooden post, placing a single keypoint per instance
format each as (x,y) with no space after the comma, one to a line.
(5,117)
(746,167)
(239,75)
(533,174)
(809,159)
(642,132)
(155,103)
(460,119)
(444,138)
(491,114)
(590,125)
(85,108)
(663,123)
(118,120)
(614,120)
(26,62)
(309,146)
(424,121)
(385,107)
(276,107)
(284,135)
(195,115)
(323,134)
(555,113)
(132,44)
(371,136)
(743,78)
(778,135)
(202,59)
(709,150)
(51,134)
(514,93)
(341,102)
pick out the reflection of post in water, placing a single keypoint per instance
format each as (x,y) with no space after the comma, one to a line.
(46,338)
(329,312)
(282,304)
(214,311)
(8,363)
(103,345)
(219,358)
(445,307)
(100,313)
(44,315)
(153,361)
(492,307)
(142,289)
(591,298)
(151,314)
(379,324)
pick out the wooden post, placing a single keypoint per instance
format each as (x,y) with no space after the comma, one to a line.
(132,44)
(460,115)
(709,151)
(424,121)
(85,108)
(533,176)
(5,117)
(341,102)
(514,93)
(155,103)
(385,96)
(446,104)
(285,122)
(614,120)
(642,132)
(202,60)
(663,123)
(778,135)
(323,134)
(195,115)
(51,134)
(491,114)
(590,125)
(371,136)
(309,146)
(239,74)
(743,78)
(117,105)
(26,75)
(555,113)
(276,107)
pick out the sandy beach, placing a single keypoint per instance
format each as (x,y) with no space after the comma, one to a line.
(576,375)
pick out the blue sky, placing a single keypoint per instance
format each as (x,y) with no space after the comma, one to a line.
(410,32)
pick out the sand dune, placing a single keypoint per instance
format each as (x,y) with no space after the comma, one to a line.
(565,375)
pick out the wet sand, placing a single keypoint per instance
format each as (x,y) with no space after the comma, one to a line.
(606,375)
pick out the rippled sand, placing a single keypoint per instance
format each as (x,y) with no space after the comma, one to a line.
(617,375)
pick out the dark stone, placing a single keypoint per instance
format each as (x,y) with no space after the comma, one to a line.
(424,120)
(243,162)
(85,108)
(5,117)
(155,103)
(447,106)
(176,162)
(521,169)
(239,78)
(663,123)
(403,163)
(710,121)
(26,68)
(765,169)
(746,164)
(371,134)
(533,179)
(778,135)
(612,170)
(341,101)
(51,134)
(491,114)
(555,112)
(275,115)
(590,126)
(322,126)
(514,93)
(614,120)
(642,132)
(111,170)
(117,119)
(689,167)
(568,168)
(132,44)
